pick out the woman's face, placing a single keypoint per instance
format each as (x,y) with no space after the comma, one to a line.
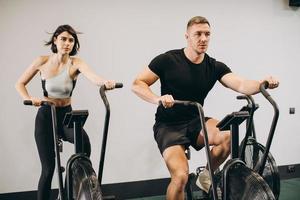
(64,43)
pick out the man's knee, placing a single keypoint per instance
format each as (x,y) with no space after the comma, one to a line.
(180,178)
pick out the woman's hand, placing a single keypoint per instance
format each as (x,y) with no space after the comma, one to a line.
(35,101)
(110,84)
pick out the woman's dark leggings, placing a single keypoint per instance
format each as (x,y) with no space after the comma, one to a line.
(45,145)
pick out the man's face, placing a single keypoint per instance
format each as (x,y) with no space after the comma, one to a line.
(198,36)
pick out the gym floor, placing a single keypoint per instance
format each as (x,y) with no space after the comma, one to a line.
(289,191)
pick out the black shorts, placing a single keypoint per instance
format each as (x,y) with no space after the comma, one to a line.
(178,133)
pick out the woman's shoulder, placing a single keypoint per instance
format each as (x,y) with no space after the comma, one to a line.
(76,60)
(39,61)
(43,58)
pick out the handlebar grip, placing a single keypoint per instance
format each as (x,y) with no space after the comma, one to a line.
(119,85)
(27,102)
(248,98)
(160,103)
(241,97)
(264,85)
(185,103)
(43,103)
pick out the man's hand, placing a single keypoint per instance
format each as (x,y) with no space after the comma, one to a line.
(273,82)
(166,100)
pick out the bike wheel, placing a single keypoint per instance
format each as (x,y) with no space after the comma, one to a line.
(253,154)
(85,182)
(242,183)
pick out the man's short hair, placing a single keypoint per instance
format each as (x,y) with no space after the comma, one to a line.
(197,20)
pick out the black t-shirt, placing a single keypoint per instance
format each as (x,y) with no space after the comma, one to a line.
(185,80)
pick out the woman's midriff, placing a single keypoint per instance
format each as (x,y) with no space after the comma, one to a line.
(59,102)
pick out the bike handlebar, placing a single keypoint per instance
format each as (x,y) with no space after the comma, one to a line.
(185,103)
(43,103)
(117,85)
(105,129)
(249,99)
(263,86)
(264,92)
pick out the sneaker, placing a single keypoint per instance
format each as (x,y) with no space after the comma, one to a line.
(203,181)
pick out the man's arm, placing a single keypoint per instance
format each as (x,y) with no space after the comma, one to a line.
(245,86)
(141,86)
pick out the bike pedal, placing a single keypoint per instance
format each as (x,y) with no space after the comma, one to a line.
(199,170)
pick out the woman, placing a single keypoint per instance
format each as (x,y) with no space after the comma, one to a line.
(59,72)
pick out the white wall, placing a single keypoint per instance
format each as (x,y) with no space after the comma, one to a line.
(255,38)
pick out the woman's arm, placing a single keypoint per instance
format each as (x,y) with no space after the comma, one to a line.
(92,76)
(26,77)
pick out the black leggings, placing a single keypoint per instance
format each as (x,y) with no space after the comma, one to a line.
(45,145)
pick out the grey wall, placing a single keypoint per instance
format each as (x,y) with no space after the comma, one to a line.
(255,38)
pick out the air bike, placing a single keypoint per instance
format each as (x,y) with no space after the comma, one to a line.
(81,182)
(236,181)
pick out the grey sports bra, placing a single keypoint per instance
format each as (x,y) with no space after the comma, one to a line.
(60,86)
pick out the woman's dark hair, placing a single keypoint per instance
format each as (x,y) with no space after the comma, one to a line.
(57,32)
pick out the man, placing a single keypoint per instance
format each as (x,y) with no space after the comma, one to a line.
(189,74)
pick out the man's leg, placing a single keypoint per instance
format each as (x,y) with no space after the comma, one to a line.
(177,164)
(220,140)
(219,153)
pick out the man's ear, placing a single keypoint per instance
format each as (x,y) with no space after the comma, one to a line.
(186,36)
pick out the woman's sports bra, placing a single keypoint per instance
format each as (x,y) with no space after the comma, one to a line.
(60,86)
